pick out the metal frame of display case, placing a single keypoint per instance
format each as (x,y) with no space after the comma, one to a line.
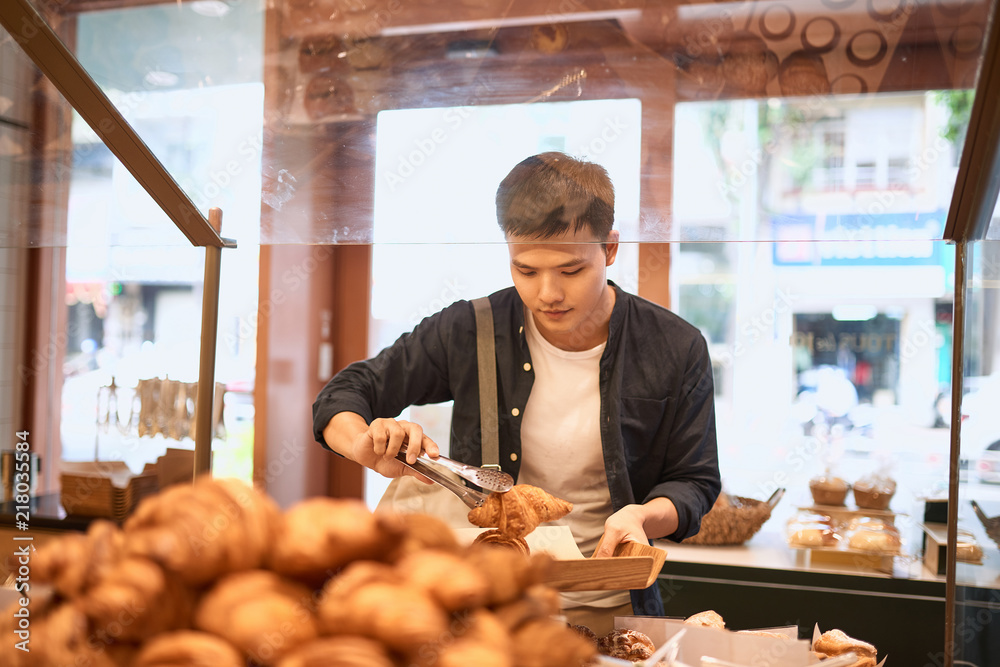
(37,39)
(977,186)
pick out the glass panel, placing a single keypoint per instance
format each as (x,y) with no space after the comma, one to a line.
(824,69)
(129,283)
(978,560)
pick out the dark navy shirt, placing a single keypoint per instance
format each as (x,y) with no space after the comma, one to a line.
(657,400)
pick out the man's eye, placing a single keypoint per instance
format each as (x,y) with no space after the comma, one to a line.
(526,273)
(572,273)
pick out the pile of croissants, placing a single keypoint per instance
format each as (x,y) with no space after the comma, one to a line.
(214,573)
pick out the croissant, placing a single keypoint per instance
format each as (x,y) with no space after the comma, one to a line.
(519,511)
(510,573)
(203,531)
(422,531)
(260,613)
(538,601)
(464,652)
(73,562)
(188,648)
(319,535)
(449,579)
(61,637)
(134,601)
(495,538)
(400,616)
(546,642)
(343,651)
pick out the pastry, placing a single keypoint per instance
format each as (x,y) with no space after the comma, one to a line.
(828,490)
(446,577)
(137,590)
(519,511)
(319,535)
(187,648)
(623,644)
(510,572)
(484,627)
(463,652)
(338,652)
(400,616)
(585,632)
(709,619)
(875,541)
(817,535)
(835,642)
(874,492)
(546,642)
(200,532)
(421,531)
(260,613)
(494,537)
(75,561)
(538,601)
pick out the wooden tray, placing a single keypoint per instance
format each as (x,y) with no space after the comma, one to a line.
(633,566)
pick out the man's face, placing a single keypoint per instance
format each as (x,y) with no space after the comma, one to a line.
(563,282)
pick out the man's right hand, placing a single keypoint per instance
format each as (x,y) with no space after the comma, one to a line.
(375,445)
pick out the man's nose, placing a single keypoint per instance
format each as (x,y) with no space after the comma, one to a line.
(551,290)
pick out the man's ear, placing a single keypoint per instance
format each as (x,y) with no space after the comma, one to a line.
(611,247)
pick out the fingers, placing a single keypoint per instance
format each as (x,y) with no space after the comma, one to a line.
(377,447)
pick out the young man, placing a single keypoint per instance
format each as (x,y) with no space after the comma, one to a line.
(605,399)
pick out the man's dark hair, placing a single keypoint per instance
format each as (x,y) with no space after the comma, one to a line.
(551,193)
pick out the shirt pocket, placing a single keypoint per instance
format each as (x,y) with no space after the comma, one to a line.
(641,419)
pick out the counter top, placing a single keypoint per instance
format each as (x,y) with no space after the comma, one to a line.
(45,512)
(769,550)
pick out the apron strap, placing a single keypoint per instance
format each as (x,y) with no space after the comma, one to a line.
(485,351)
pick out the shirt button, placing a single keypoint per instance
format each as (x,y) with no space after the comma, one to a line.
(515,412)
(520,330)
(513,457)
(527,366)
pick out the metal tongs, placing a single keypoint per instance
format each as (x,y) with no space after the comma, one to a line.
(488,479)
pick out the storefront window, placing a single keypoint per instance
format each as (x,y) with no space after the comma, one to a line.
(468,151)
(131,278)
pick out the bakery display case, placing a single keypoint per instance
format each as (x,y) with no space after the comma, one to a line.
(799,180)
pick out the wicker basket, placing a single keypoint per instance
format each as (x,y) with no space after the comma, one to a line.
(107,490)
(734,519)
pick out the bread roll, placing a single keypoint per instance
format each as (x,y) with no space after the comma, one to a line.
(836,642)
(875,541)
(708,619)
(623,644)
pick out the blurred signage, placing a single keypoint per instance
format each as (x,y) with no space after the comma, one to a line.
(885,239)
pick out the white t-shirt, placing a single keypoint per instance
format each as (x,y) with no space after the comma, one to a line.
(561,448)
